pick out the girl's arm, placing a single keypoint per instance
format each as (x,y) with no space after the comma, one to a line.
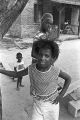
(14,73)
(67,82)
(34,50)
(33,54)
(15,69)
(67,79)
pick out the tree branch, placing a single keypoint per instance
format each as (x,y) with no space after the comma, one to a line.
(10,16)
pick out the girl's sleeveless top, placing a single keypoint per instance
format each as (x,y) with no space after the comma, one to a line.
(43,83)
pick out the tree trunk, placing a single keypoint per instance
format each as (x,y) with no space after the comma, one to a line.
(9,16)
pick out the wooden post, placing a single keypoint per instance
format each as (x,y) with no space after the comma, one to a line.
(59,26)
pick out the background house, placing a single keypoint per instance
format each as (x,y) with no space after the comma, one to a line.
(63,11)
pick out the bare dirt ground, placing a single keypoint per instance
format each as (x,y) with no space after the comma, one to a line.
(15,103)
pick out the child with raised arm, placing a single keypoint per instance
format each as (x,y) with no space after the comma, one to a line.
(44,81)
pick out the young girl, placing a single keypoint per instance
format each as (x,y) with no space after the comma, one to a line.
(44,81)
(44,32)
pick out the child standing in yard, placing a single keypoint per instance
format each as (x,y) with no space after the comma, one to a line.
(44,81)
(19,66)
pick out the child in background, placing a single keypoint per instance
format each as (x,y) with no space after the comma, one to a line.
(44,32)
(44,81)
(19,66)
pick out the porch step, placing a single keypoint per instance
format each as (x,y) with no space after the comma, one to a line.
(75,94)
(74,108)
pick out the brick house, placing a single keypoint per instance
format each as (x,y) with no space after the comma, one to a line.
(63,11)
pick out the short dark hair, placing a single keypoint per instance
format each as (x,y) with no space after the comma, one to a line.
(47,44)
(19,55)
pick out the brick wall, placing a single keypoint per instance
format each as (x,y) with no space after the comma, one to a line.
(24,25)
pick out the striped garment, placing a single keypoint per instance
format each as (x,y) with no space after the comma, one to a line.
(44,84)
(52,35)
(40,35)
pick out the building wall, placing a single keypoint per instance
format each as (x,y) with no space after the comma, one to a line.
(24,25)
(15,29)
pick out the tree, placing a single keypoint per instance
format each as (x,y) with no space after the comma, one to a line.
(10,15)
(3,6)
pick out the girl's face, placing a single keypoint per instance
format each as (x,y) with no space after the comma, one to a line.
(45,58)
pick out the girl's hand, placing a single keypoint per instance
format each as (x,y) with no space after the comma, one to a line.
(58,99)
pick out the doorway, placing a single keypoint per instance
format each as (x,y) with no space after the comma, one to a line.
(68,11)
(55,16)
